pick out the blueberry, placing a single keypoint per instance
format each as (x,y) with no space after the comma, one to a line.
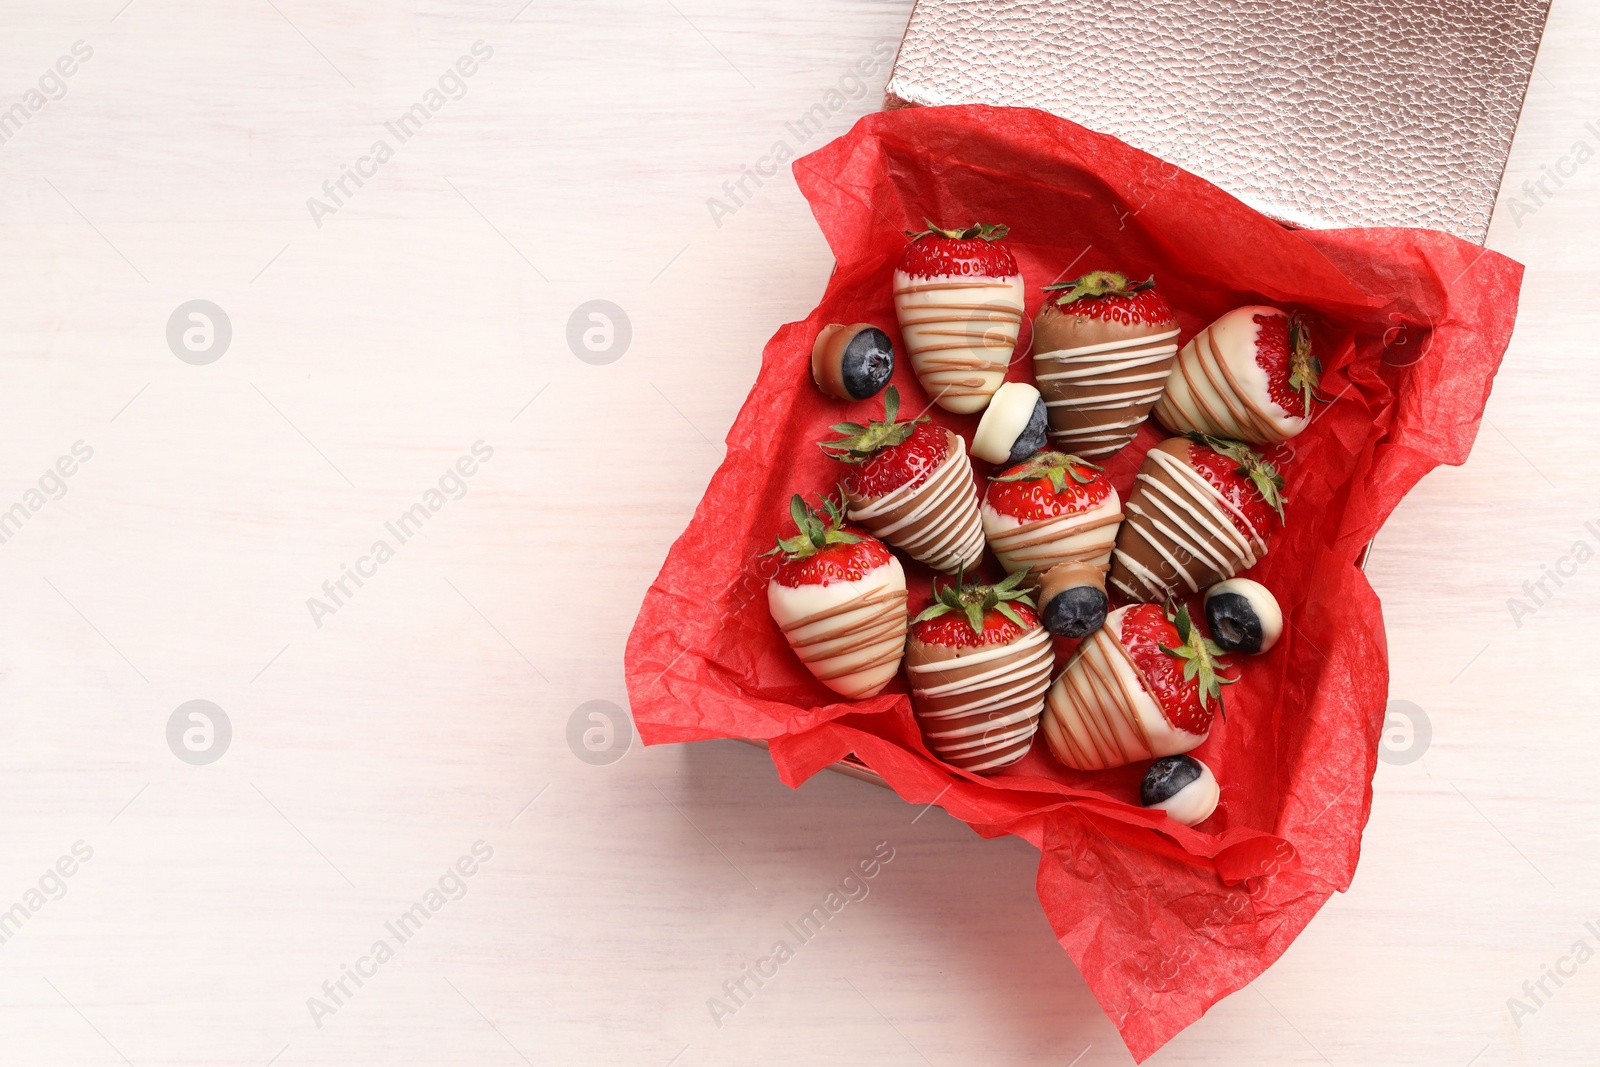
(1181,786)
(1168,777)
(1033,436)
(1075,612)
(867,364)
(1243,616)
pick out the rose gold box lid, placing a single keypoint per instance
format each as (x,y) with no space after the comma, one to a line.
(1316,112)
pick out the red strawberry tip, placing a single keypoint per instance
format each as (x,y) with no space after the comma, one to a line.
(1264,477)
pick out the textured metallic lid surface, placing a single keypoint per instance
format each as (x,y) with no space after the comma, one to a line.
(1316,112)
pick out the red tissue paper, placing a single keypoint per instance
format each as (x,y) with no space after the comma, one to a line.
(1411,325)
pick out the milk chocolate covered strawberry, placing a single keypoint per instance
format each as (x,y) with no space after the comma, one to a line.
(1201,510)
(912,486)
(840,598)
(1052,508)
(1249,376)
(1102,349)
(958,295)
(979,664)
(1144,685)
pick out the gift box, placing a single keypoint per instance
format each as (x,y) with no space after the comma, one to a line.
(1317,112)
(1163,920)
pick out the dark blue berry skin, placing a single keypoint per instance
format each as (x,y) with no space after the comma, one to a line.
(1075,612)
(1166,778)
(868,362)
(1033,437)
(1233,623)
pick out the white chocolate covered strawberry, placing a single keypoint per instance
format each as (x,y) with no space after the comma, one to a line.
(1142,686)
(1249,376)
(1201,510)
(1052,508)
(912,486)
(958,295)
(840,598)
(979,664)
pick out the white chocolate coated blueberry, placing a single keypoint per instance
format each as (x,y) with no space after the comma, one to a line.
(1194,803)
(1004,421)
(1243,616)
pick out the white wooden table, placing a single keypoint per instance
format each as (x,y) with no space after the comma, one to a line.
(377,740)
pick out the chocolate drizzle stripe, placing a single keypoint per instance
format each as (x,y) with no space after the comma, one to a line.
(879,595)
(1028,650)
(1201,531)
(1245,417)
(1110,346)
(940,525)
(868,633)
(954,327)
(1097,701)
(872,630)
(1060,539)
(973,283)
(1212,495)
(1098,396)
(1246,425)
(990,314)
(1092,368)
(1091,687)
(983,717)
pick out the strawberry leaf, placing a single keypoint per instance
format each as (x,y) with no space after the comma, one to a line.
(1264,477)
(1055,466)
(1201,658)
(813,532)
(860,443)
(1097,284)
(980,230)
(1305,369)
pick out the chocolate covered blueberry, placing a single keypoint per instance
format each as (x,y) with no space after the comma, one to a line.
(852,362)
(1014,426)
(1243,616)
(1181,786)
(1072,599)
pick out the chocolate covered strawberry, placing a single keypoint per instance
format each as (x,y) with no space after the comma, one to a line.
(1051,508)
(958,295)
(912,486)
(1201,510)
(1144,685)
(840,598)
(1249,376)
(1102,349)
(979,664)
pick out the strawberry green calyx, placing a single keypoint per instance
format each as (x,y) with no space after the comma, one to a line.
(1305,369)
(816,531)
(980,230)
(1097,284)
(1202,657)
(861,442)
(975,601)
(1056,466)
(1263,475)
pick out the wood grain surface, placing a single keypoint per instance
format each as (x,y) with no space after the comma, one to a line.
(428,721)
